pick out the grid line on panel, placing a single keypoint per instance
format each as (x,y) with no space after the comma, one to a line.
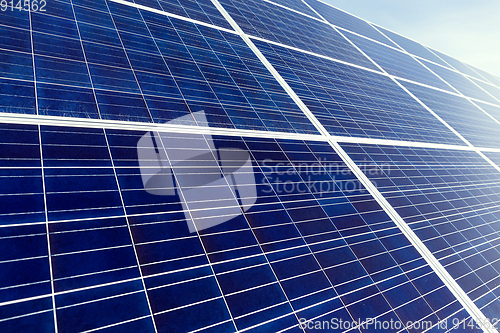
(49,256)
(166,13)
(292,10)
(131,236)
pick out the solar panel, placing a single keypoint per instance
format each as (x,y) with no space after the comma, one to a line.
(206,166)
(493,111)
(354,102)
(413,47)
(266,265)
(491,89)
(273,23)
(397,63)
(297,5)
(450,199)
(461,83)
(457,64)
(348,21)
(475,126)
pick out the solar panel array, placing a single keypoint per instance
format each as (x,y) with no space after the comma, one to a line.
(228,165)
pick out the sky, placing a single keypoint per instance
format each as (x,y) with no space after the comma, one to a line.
(468,30)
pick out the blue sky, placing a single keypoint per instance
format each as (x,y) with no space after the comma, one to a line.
(468,30)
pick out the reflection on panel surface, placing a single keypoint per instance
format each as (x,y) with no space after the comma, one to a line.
(461,83)
(347,21)
(276,24)
(451,201)
(413,47)
(397,63)
(463,116)
(238,233)
(353,102)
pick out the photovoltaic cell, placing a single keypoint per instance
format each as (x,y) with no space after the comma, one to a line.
(493,90)
(312,244)
(348,21)
(475,126)
(489,77)
(276,24)
(203,11)
(495,157)
(458,65)
(297,5)
(413,47)
(450,200)
(353,102)
(397,63)
(461,83)
(493,111)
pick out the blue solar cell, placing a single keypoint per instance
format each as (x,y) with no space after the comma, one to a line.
(277,24)
(15,39)
(458,65)
(270,265)
(353,102)
(491,89)
(413,47)
(41,318)
(461,114)
(449,198)
(461,83)
(297,5)
(493,111)
(495,157)
(348,21)
(491,78)
(17,96)
(397,63)
(203,11)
